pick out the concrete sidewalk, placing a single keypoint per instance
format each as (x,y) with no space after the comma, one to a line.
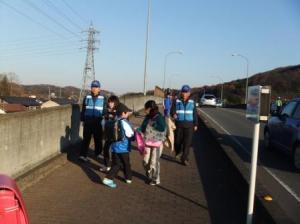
(199,193)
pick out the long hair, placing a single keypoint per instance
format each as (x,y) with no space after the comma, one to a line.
(153,108)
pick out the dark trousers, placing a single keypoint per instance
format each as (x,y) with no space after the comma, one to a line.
(106,153)
(118,160)
(91,129)
(183,141)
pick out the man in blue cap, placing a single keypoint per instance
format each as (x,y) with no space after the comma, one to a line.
(93,110)
(184,113)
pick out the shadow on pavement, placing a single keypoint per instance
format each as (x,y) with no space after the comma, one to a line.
(182,197)
(219,180)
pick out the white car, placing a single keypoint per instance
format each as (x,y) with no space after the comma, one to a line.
(208,100)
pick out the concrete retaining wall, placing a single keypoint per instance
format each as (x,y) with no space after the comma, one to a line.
(27,139)
(136,103)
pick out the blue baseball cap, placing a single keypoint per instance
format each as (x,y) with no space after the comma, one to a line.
(185,88)
(95,83)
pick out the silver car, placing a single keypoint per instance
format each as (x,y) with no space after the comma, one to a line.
(208,100)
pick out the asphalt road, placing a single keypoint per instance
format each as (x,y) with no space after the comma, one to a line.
(277,173)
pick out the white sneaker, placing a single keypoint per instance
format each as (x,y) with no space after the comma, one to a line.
(104,169)
(128,181)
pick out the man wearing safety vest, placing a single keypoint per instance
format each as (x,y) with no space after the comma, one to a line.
(93,109)
(184,113)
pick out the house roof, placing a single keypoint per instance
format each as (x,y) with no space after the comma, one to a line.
(25,101)
(49,103)
(10,108)
(63,101)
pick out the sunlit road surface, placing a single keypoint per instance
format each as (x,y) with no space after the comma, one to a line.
(279,177)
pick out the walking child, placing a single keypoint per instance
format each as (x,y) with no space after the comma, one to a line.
(153,127)
(121,147)
(110,117)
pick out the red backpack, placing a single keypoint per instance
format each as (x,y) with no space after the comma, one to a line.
(12,207)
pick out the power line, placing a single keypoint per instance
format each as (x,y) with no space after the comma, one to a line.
(37,45)
(32,5)
(34,39)
(42,53)
(58,11)
(76,13)
(38,51)
(28,48)
(31,19)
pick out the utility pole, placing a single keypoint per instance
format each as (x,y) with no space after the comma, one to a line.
(146,47)
(89,68)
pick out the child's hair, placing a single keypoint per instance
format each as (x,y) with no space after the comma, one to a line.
(113,99)
(153,107)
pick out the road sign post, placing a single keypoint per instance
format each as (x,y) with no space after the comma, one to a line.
(251,195)
(252,114)
(258,97)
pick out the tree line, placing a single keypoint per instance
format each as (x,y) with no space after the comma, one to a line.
(9,85)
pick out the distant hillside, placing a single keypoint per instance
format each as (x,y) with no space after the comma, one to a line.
(285,82)
(42,91)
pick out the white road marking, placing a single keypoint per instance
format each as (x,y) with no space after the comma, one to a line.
(236,112)
(285,186)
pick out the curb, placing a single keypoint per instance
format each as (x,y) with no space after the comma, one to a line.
(38,173)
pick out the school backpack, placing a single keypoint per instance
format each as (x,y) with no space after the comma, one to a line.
(12,207)
(117,133)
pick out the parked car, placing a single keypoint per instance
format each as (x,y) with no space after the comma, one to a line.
(282,131)
(208,100)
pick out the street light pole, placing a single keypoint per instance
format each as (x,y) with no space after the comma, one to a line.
(247,63)
(146,47)
(165,64)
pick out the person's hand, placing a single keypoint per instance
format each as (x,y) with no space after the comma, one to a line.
(195,128)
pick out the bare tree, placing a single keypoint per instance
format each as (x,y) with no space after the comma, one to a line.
(4,86)
(13,79)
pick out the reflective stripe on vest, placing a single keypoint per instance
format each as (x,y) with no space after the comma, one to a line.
(94,109)
(185,113)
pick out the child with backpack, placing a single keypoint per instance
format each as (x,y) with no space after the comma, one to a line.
(110,117)
(154,130)
(121,147)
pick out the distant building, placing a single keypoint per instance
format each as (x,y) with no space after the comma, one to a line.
(29,103)
(49,103)
(11,108)
(64,101)
(57,102)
